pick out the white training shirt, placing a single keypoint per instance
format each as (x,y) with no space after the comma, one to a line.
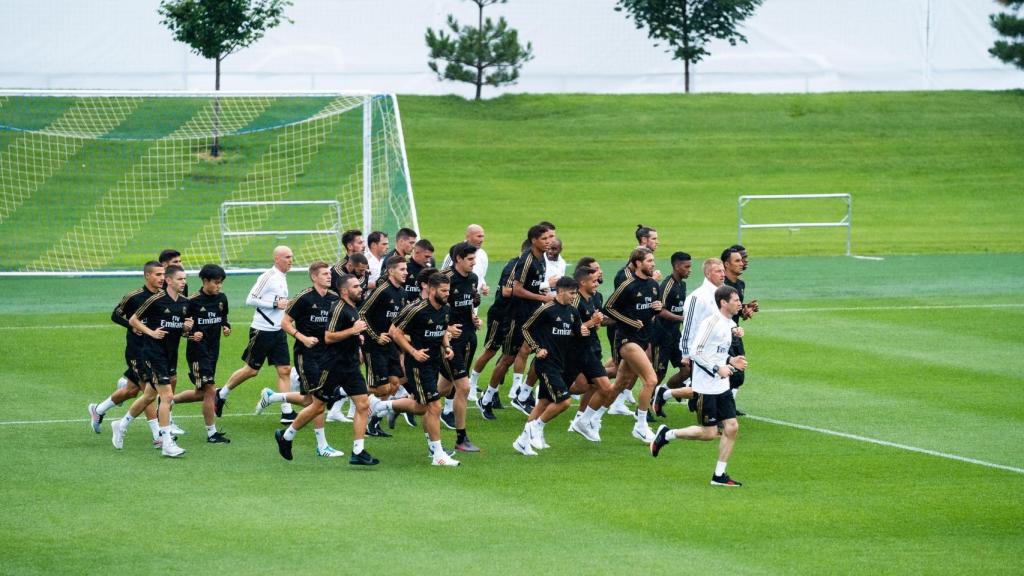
(271,286)
(699,305)
(714,337)
(479,267)
(375,266)
(553,269)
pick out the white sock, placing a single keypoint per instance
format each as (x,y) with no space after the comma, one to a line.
(719,468)
(286,408)
(524,393)
(154,427)
(357,446)
(224,391)
(599,413)
(474,378)
(276,397)
(489,395)
(666,395)
(102,407)
(670,435)
(588,414)
(321,438)
(289,433)
(538,425)
(517,381)
(641,418)
(165,432)
(126,420)
(449,405)
(435,448)
(211,430)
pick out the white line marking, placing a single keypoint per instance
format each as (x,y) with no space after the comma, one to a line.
(875,308)
(86,420)
(62,327)
(875,258)
(888,444)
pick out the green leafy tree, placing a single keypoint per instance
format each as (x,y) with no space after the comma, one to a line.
(215,29)
(688,26)
(489,54)
(1010,25)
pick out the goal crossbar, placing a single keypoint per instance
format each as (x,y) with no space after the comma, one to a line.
(845,222)
(226,233)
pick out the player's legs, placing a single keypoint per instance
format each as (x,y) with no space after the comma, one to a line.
(636,358)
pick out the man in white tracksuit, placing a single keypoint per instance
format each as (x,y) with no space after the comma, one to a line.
(712,367)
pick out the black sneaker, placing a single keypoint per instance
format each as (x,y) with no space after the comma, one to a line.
(740,412)
(724,480)
(392,418)
(363,459)
(659,440)
(218,403)
(691,404)
(288,418)
(218,438)
(283,446)
(410,419)
(530,403)
(486,410)
(523,407)
(496,403)
(650,418)
(373,428)
(658,403)
(448,419)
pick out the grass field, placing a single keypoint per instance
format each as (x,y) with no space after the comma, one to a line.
(887,426)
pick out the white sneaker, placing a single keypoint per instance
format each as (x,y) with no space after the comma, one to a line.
(619,409)
(118,438)
(583,430)
(329,452)
(264,400)
(643,433)
(176,430)
(445,460)
(337,417)
(158,444)
(628,397)
(537,439)
(523,447)
(94,418)
(171,449)
(573,423)
(595,429)
(474,395)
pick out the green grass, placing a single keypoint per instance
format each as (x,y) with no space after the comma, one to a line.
(923,351)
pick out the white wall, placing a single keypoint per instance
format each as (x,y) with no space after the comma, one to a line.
(580,46)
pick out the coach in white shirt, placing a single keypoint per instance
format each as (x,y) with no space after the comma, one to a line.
(475,237)
(267,343)
(699,305)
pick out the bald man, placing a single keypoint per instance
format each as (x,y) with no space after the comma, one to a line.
(267,343)
(475,238)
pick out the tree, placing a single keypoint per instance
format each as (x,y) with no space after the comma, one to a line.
(215,29)
(471,53)
(688,26)
(1011,26)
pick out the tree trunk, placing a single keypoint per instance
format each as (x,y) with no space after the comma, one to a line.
(479,81)
(686,75)
(215,150)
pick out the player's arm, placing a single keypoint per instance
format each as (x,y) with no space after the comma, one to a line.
(530,326)
(260,296)
(118,316)
(136,320)
(364,313)
(617,300)
(333,335)
(688,327)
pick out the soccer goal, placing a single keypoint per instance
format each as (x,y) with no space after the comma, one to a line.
(101,182)
(844,221)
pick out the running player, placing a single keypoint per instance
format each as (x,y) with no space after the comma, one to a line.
(734,262)
(162,319)
(549,333)
(586,374)
(421,332)
(340,369)
(383,362)
(267,343)
(137,373)
(463,299)
(305,320)
(422,257)
(526,281)
(405,238)
(667,332)
(209,307)
(634,304)
(712,368)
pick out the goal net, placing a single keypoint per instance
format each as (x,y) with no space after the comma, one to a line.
(102,182)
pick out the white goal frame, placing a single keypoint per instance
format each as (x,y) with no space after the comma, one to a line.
(226,233)
(845,222)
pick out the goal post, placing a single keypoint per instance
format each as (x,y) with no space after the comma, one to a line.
(226,232)
(845,222)
(98,182)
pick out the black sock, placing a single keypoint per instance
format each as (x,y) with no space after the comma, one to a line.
(460,435)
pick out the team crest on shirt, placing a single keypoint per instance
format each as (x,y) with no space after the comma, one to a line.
(558,318)
(314,306)
(167,310)
(202,308)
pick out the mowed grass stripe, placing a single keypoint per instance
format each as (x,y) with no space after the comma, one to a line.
(272,178)
(122,211)
(32,158)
